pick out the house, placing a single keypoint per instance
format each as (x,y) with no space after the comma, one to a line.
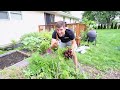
(13,24)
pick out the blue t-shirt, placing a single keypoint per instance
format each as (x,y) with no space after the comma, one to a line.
(69,35)
(92,33)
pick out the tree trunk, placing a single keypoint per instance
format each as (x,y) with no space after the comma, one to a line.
(108,25)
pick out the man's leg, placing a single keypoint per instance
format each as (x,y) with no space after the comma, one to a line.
(95,41)
(61,44)
(88,41)
(70,43)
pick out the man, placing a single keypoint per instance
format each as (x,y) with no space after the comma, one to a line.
(63,37)
(91,36)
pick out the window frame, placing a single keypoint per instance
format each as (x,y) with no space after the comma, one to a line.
(9,15)
(13,12)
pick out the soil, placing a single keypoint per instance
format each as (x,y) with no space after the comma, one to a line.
(11,59)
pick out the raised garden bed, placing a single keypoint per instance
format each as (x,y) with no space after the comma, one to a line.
(12,58)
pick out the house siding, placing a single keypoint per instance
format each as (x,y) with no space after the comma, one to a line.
(58,18)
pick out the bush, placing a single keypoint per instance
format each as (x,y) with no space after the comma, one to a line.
(51,66)
(36,41)
(89,23)
(84,35)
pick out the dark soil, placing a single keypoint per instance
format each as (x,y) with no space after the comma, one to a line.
(11,59)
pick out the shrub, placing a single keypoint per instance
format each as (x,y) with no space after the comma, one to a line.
(51,66)
(36,41)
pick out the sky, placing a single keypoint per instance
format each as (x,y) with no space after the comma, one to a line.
(77,13)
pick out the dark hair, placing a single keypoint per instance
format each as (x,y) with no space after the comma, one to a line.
(60,24)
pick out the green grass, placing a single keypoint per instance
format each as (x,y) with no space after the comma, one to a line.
(106,54)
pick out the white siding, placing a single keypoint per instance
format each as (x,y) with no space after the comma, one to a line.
(13,29)
(67,20)
(58,18)
(72,20)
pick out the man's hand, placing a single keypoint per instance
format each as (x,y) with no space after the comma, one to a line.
(54,43)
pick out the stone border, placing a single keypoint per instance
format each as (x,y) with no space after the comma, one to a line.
(2,55)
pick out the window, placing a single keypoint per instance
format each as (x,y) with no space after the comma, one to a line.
(4,15)
(52,18)
(49,18)
(16,15)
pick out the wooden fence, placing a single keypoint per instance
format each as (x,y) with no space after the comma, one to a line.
(76,27)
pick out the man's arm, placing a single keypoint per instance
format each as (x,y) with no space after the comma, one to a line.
(54,42)
(74,45)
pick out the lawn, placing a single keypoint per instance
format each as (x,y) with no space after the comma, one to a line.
(106,54)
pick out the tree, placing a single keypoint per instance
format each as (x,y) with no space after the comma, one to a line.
(89,23)
(104,26)
(102,17)
(115,27)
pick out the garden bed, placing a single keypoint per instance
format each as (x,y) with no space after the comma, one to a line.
(12,58)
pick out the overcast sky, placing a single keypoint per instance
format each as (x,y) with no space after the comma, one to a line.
(77,13)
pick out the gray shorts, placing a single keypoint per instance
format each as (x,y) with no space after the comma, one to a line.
(62,45)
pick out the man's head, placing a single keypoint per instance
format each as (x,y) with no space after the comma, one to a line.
(60,28)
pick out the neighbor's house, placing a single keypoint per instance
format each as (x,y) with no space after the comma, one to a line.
(13,24)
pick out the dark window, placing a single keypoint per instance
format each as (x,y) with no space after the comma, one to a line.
(49,18)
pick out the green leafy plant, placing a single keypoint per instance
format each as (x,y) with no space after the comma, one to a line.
(36,41)
(89,23)
(51,66)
